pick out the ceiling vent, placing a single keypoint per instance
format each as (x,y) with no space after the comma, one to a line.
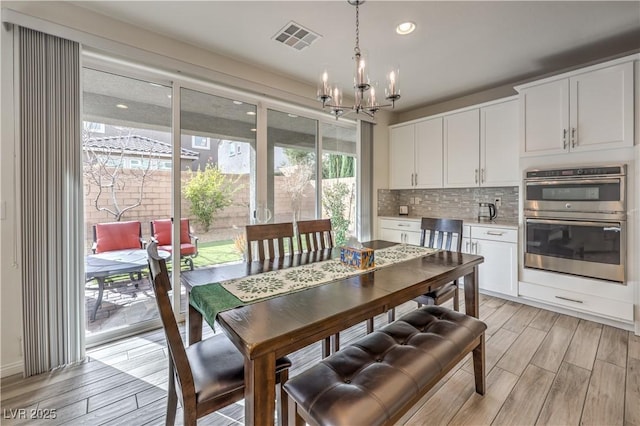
(296,36)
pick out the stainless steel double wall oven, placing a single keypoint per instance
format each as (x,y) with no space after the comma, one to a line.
(575,221)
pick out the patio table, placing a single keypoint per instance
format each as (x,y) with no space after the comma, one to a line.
(103,265)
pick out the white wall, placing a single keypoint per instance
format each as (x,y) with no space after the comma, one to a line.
(103,34)
(10,289)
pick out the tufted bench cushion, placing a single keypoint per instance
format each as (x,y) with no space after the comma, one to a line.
(377,379)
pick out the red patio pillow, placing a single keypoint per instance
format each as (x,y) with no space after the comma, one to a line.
(162,231)
(118,236)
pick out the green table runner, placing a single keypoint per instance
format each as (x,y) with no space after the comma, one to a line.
(210,299)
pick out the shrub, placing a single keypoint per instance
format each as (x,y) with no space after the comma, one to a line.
(209,191)
(334,201)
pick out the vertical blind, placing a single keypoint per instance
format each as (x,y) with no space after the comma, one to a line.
(50,201)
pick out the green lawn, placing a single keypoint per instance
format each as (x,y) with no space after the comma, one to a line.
(215,252)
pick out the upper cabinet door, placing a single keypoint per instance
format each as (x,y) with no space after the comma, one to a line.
(462,149)
(601,108)
(401,157)
(429,154)
(499,144)
(545,118)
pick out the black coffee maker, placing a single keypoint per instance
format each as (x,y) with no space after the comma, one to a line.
(487,211)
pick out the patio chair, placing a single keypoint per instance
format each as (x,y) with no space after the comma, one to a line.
(114,236)
(207,375)
(161,233)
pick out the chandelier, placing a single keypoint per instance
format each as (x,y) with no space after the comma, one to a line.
(332,97)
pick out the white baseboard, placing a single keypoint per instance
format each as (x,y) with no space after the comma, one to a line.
(11,369)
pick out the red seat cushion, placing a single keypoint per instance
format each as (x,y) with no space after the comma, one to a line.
(185,249)
(117,236)
(162,234)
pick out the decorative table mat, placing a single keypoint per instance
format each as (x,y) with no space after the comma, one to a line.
(210,299)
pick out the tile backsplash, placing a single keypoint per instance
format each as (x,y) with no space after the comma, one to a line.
(448,202)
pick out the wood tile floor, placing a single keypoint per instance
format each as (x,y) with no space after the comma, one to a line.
(542,368)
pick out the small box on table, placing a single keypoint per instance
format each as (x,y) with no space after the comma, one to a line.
(359,258)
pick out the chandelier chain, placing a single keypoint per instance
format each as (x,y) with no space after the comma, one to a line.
(357,48)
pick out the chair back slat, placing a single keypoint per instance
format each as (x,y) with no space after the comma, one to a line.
(316,234)
(446,229)
(161,286)
(267,234)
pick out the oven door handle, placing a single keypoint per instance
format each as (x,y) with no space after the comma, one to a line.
(606,225)
(570,181)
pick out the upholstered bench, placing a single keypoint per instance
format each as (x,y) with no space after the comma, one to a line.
(376,380)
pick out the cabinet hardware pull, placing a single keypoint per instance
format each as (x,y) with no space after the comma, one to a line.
(564,138)
(495,233)
(416,182)
(570,300)
(573,137)
(476,175)
(413,179)
(403,224)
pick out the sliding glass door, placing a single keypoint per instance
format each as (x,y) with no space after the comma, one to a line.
(291,166)
(218,189)
(151,145)
(127,166)
(339,188)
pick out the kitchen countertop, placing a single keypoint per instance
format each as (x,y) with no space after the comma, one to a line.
(497,223)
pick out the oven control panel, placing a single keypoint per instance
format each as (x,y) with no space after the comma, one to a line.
(573,172)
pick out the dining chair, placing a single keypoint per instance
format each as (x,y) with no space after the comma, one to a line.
(315,235)
(207,375)
(271,235)
(440,234)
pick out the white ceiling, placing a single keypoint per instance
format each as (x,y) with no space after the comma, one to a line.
(458,48)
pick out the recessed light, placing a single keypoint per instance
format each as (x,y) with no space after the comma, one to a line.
(251,113)
(405,28)
(253,130)
(237,102)
(292,115)
(122,106)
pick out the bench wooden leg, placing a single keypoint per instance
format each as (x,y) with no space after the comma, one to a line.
(478,366)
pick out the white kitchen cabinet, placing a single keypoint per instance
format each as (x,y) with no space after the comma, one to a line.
(461,149)
(498,246)
(415,155)
(481,146)
(499,144)
(406,231)
(585,110)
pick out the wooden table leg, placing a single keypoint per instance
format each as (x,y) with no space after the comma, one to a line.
(194,326)
(471,295)
(259,392)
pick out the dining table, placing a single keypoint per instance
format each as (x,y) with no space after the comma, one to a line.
(267,329)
